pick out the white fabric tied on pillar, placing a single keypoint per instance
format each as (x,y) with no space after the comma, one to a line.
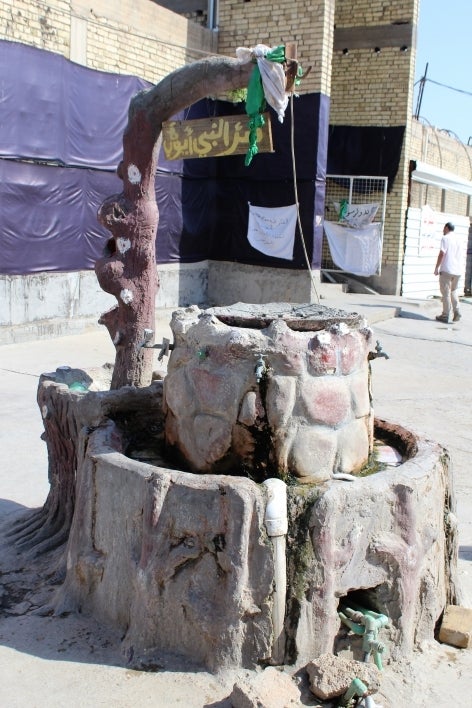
(272,75)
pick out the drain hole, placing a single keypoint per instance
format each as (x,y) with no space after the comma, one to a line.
(363,610)
(367,599)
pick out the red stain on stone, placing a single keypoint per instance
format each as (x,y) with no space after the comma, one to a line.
(327,401)
(322,357)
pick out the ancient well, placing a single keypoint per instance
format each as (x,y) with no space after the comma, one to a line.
(226,514)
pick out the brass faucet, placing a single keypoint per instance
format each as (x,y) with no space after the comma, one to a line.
(378,352)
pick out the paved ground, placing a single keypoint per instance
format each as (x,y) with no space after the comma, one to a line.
(48,662)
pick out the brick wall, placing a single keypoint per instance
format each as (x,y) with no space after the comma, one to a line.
(350,13)
(372,85)
(273,22)
(40,24)
(136,37)
(437,148)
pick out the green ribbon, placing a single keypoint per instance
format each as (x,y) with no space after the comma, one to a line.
(343,209)
(256,102)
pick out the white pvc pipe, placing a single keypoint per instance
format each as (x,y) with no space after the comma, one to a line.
(276,522)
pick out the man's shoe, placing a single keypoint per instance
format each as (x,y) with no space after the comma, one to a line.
(442,318)
(456,317)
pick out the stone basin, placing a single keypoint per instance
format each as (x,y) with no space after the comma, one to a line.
(303,317)
(183,560)
(182,565)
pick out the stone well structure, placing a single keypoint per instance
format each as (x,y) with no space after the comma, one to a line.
(270,390)
(184,563)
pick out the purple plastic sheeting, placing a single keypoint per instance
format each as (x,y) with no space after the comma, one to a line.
(55,111)
(48,217)
(52,109)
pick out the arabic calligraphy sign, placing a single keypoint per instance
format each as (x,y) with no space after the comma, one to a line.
(356,215)
(212,137)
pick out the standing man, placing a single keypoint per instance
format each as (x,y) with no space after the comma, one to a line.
(449,268)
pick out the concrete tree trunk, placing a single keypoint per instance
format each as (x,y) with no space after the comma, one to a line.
(127,269)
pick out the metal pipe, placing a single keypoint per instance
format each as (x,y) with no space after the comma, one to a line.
(260,369)
(212,14)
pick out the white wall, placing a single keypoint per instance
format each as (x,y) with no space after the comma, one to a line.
(418,279)
(54,304)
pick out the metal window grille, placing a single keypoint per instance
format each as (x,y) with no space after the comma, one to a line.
(354,189)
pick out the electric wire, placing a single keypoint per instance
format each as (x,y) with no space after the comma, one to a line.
(437,83)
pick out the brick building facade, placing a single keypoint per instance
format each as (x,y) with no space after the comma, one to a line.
(361,56)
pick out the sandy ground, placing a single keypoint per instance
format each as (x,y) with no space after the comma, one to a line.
(52,662)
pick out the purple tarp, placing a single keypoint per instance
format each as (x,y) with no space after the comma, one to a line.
(55,111)
(48,218)
(52,109)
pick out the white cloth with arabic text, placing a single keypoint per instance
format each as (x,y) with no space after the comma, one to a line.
(272,230)
(358,215)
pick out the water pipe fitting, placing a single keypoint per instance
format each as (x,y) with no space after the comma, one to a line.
(357,689)
(275,518)
(368,624)
(378,352)
(165,347)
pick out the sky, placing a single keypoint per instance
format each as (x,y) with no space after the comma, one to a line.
(444,42)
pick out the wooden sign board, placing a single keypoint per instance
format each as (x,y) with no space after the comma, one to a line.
(213,137)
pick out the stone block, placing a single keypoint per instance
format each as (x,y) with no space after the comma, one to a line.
(330,676)
(327,400)
(280,400)
(312,454)
(456,627)
(323,355)
(270,689)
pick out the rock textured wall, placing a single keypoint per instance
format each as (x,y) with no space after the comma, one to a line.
(270,402)
(388,541)
(181,563)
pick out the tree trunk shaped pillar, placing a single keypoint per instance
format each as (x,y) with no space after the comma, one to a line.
(128,269)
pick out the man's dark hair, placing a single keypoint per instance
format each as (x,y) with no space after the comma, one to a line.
(450,226)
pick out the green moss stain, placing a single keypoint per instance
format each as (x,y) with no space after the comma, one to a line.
(300,556)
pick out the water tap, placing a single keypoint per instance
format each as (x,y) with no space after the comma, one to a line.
(368,624)
(378,352)
(260,368)
(165,347)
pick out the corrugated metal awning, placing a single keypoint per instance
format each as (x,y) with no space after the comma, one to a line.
(437,177)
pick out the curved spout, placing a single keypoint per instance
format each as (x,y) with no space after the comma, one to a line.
(378,352)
